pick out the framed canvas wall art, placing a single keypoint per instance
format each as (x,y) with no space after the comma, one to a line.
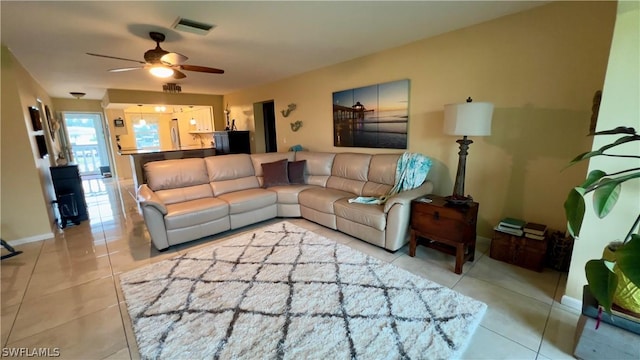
(375,116)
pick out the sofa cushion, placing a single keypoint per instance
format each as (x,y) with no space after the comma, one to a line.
(349,172)
(227,186)
(365,214)
(318,167)
(229,173)
(382,175)
(351,166)
(259,159)
(229,167)
(353,187)
(195,212)
(295,170)
(322,199)
(171,174)
(187,193)
(275,173)
(382,169)
(289,194)
(248,200)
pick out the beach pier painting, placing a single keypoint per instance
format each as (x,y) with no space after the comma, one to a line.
(375,116)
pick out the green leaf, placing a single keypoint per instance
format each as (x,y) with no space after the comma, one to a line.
(624,178)
(599,152)
(620,141)
(602,282)
(593,177)
(585,155)
(618,130)
(605,197)
(628,259)
(615,180)
(574,210)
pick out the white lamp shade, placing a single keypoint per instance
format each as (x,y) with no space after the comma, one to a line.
(470,119)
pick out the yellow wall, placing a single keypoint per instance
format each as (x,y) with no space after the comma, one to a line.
(79,105)
(540,68)
(619,107)
(25,204)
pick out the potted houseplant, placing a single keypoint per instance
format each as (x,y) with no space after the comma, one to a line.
(606,275)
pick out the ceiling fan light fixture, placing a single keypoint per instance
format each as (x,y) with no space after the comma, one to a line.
(161,71)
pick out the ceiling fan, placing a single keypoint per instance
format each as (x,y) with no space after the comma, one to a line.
(162,63)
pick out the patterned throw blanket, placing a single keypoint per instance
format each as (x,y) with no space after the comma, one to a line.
(411,171)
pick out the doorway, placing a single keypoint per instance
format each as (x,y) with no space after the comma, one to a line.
(269,116)
(88,143)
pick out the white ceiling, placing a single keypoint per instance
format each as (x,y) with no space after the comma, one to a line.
(254,42)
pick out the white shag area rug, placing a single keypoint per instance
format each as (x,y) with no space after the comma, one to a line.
(282,292)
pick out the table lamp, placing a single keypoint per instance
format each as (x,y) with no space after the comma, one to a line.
(466,119)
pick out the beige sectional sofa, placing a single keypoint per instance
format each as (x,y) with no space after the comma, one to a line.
(187,199)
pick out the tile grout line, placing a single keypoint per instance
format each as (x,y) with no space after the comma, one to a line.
(537,352)
(65,323)
(114,187)
(546,323)
(24,293)
(511,340)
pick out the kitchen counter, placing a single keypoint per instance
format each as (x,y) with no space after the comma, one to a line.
(135,151)
(139,157)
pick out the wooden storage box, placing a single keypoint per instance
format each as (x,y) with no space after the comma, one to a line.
(518,250)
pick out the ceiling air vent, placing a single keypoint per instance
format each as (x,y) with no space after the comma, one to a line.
(192,26)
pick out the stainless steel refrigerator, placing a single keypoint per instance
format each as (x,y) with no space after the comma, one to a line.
(175,134)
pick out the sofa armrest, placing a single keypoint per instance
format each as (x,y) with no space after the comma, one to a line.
(405,197)
(146,197)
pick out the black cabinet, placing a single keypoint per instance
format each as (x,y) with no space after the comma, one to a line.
(232,142)
(69,194)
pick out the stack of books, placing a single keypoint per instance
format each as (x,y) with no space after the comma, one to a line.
(535,231)
(511,226)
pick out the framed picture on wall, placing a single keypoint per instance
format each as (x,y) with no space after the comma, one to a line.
(35,118)
(42,145)
(375,116)
(50,122)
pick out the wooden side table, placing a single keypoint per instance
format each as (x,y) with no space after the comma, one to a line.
(450,229)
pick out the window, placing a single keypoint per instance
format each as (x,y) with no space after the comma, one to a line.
(147,135)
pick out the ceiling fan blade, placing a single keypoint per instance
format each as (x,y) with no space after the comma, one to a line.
(173,59)
(201,69)
(126,69)
(115,57)
(178,74)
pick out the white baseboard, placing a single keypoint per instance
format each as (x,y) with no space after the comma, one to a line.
(571,302)
(31,239)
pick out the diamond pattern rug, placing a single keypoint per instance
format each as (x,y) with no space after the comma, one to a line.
(284,292)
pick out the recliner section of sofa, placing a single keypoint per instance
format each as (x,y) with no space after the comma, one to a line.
(187,199)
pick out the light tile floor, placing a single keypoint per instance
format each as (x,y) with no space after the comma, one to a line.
(64,292)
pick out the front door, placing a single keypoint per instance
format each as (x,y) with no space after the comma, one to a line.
(87,141)
(268,111)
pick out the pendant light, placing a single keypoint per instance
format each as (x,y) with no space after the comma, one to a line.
(142,120)
(193,119)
